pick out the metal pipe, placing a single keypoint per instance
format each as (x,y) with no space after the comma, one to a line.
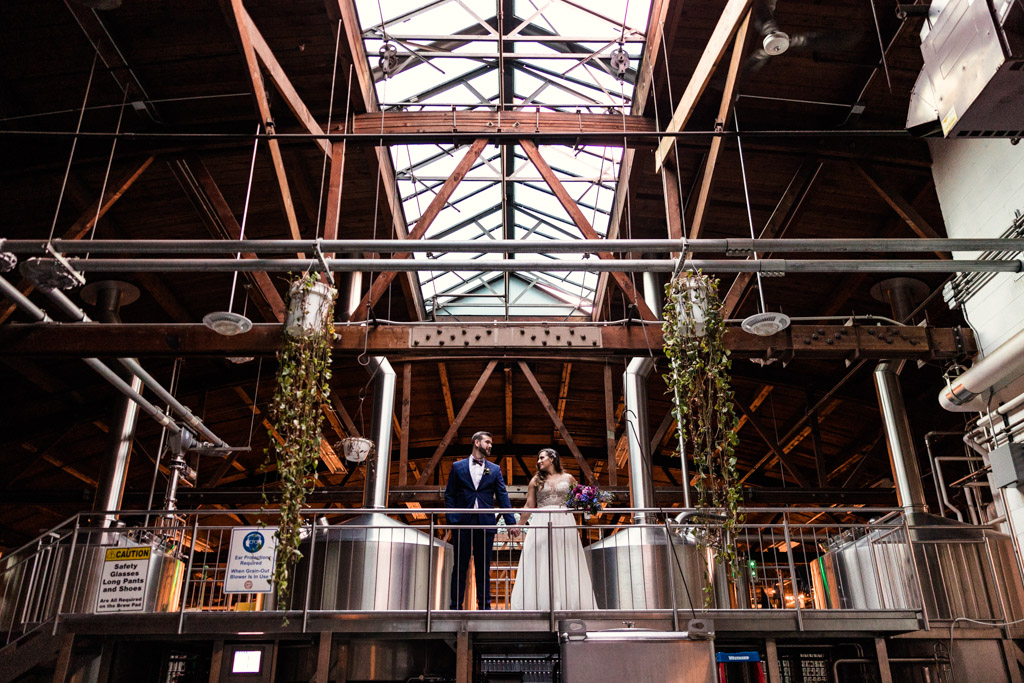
(940,484)
(898,437)
(375,489)
(25,304)
(641,483)
(773,266)
(999,367)
(35,247)
(131,364)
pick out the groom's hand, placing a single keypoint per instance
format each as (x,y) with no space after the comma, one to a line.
(515,532)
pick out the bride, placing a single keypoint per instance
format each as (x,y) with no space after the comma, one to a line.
(569,575)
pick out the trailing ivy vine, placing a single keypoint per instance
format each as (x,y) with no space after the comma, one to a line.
(698,379)
(303,375)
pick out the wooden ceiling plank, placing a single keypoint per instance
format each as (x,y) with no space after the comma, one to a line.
(729,21)
(332,219)
(573,209)
(446,393)
(87,219)
(235,13)
(281,81)
(463,412)
(440,200)
(585,470)
(508,404)
(708,177)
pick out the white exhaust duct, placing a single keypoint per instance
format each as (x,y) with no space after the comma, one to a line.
(965,394)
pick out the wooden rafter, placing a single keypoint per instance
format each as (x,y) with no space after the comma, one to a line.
(235,12)
(704,195)
(728,23)
(87,219)
(609,425)
(508,404)
(446,393)
(585,470)
(782,217)
(440,200)
(563,392)
(901,206)
(403,441)
(216,214)
(463,412)
(573,209)
(800,477)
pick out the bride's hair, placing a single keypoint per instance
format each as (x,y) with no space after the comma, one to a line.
(541,474)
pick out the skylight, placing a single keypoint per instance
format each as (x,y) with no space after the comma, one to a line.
(508,55)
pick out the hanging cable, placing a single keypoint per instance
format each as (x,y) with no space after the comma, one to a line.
(74,143)
(110,162)
(245,215)
(330,113)
(746,196)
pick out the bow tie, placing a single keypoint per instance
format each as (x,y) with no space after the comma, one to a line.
(477,462)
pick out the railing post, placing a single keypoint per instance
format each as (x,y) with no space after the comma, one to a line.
(551,577)
(188,573)
(430,571)
(792,574)
(672,574)
(917,575)
(67,573)
(998,590)
(309,575)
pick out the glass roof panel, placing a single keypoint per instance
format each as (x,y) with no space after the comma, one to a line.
(556,57)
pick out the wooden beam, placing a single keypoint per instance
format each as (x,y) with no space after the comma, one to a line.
(345,417)
(728,22)
(704,195)
(585,470)
(901,206)
(443,123)
(213,208)
(446,393)
(332,219)
(821,466)
(563,392)
(87,219)
(573,209)
(508,404)
(281,81)
(609,425)
(236,13)
(463,412)
(440,200)
(795,471)
(782,217)
(345,11)
(403,446)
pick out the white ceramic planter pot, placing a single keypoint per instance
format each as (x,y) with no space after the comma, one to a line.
(356,448)
(307,311)
(692,322)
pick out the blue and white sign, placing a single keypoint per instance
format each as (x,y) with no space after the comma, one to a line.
(251,560)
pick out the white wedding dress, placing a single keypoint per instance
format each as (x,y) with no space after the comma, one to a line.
(561,567)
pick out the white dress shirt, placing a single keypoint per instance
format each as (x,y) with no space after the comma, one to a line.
(476,473)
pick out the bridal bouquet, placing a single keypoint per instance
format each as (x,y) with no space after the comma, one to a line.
(589,499)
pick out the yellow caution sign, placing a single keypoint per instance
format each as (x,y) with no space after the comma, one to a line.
(121,554)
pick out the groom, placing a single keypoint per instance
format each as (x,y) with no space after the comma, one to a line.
(474,483)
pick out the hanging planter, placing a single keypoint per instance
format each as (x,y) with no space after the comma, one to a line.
(356,448)
(698,379)
(303,376)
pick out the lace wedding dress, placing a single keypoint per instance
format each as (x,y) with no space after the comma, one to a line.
(560,569)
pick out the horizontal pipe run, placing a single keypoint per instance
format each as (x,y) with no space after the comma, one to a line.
(23,302)
(770,266)
(29,247)
(68,306)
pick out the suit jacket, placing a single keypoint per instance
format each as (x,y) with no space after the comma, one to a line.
(460,493)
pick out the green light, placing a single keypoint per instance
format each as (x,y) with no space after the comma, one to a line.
(752,564)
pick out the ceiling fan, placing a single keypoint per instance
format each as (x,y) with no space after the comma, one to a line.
(774,41)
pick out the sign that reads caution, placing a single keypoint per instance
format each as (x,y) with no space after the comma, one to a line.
(123,580)
(251,560)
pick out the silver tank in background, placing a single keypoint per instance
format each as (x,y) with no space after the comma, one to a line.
(634,569)
(373,562)
(964,571)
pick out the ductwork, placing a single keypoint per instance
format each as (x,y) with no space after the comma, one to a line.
(965,394)
(898,437)
(634,387)
(375,490)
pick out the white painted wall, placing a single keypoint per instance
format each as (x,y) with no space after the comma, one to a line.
(980,184)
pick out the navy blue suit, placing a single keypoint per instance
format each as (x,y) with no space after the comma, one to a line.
(460,493)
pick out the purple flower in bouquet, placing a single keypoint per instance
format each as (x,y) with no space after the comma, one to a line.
(588,499)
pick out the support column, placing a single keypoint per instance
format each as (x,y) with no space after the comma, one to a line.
(884,673)
(464,657)
(772,652)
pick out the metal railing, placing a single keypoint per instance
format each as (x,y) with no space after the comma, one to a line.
(406,560)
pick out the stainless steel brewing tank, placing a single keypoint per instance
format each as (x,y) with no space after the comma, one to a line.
(33,587)
(964,571)
(644,567)
(372,562)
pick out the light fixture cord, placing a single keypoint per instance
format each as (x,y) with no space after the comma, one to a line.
(746,196)
(245,215)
